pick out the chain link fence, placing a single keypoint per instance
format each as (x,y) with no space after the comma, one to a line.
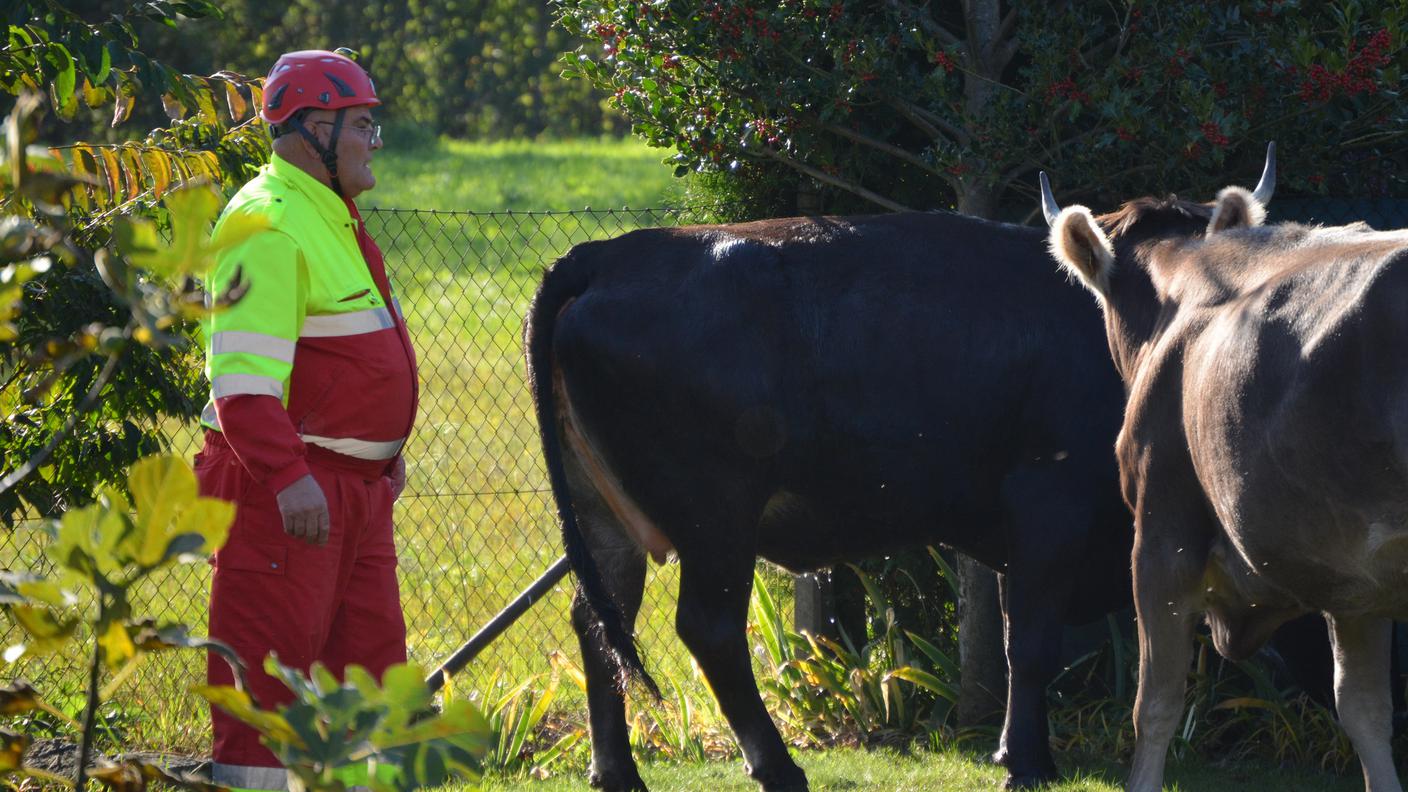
(476,524)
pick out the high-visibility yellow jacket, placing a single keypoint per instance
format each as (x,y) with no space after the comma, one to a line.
(316,353)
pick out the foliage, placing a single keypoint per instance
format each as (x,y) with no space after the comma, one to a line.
(892,688)
(99,554)
(103,551)
(469,68)
(516,715)
(61,315)
(886,104)
(334,724)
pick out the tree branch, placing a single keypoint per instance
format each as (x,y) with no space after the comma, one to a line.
(834,181)
(880,145)
(926,22)
(932,125)
(1006,43)
(90,709)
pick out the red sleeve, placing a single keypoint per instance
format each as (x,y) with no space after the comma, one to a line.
(259,431)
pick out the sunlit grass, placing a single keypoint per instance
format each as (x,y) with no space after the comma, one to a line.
(857,770)
(520,175)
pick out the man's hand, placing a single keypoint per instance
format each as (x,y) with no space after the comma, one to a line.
(305,511)
(397,476)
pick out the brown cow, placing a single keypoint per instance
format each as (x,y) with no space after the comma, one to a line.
(1265,444)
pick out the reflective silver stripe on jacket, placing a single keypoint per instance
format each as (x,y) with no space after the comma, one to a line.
(397,305)
(361,449)
(242,384)
(208,416)
(248,777)
(355,323)
(253,343)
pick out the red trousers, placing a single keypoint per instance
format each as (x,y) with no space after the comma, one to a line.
(338,603)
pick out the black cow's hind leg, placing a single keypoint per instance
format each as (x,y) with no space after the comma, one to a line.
(711,620)
(612,769)
(1033,637)
(622,565)
(1047,511)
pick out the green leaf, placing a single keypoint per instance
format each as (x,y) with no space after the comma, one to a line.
(239,704)
(192,209)
(925,680)
(86,541)
(67,78)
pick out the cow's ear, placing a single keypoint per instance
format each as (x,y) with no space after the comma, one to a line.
(1235,208)
(1082,248)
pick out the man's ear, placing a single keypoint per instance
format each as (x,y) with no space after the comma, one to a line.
(1083,249)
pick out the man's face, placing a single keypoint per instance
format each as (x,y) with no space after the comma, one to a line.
(356,143)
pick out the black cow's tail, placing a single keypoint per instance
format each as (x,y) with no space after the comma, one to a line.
(565,280)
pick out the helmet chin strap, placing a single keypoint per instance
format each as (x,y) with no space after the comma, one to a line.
(328,154)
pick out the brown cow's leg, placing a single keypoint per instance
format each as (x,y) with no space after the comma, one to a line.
(1361,649)
(1164,591)
(711,619)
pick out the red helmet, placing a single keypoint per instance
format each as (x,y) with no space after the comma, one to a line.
(314,79)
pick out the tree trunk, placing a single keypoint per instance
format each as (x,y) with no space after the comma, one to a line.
(981,656)
(981,653)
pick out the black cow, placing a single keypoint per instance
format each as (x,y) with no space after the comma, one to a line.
(817,389)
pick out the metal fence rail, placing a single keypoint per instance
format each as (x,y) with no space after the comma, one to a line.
(476,523)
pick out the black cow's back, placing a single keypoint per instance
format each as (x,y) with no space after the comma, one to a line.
(871,379)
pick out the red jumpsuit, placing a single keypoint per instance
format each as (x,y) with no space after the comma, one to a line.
(312,373)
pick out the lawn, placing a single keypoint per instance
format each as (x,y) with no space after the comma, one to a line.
(855,770)
(522,175)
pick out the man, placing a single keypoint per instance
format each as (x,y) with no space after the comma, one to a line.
(313,393)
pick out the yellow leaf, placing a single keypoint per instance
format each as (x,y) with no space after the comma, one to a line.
(205,102)
(94,95)
(561,663)
(46,591)
(132,170)
(117,645)
(74,548)
(12,747)
(174,109)
(168,507)
(48,634)
(161,486)
(112,169)
(159,168)
(235,102)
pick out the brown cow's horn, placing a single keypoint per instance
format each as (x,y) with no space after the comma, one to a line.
(1049,207)
(1267,185)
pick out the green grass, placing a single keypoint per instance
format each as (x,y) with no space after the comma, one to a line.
(520,175)
(855,770)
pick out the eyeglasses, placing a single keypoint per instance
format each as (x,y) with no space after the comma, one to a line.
(371,133)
